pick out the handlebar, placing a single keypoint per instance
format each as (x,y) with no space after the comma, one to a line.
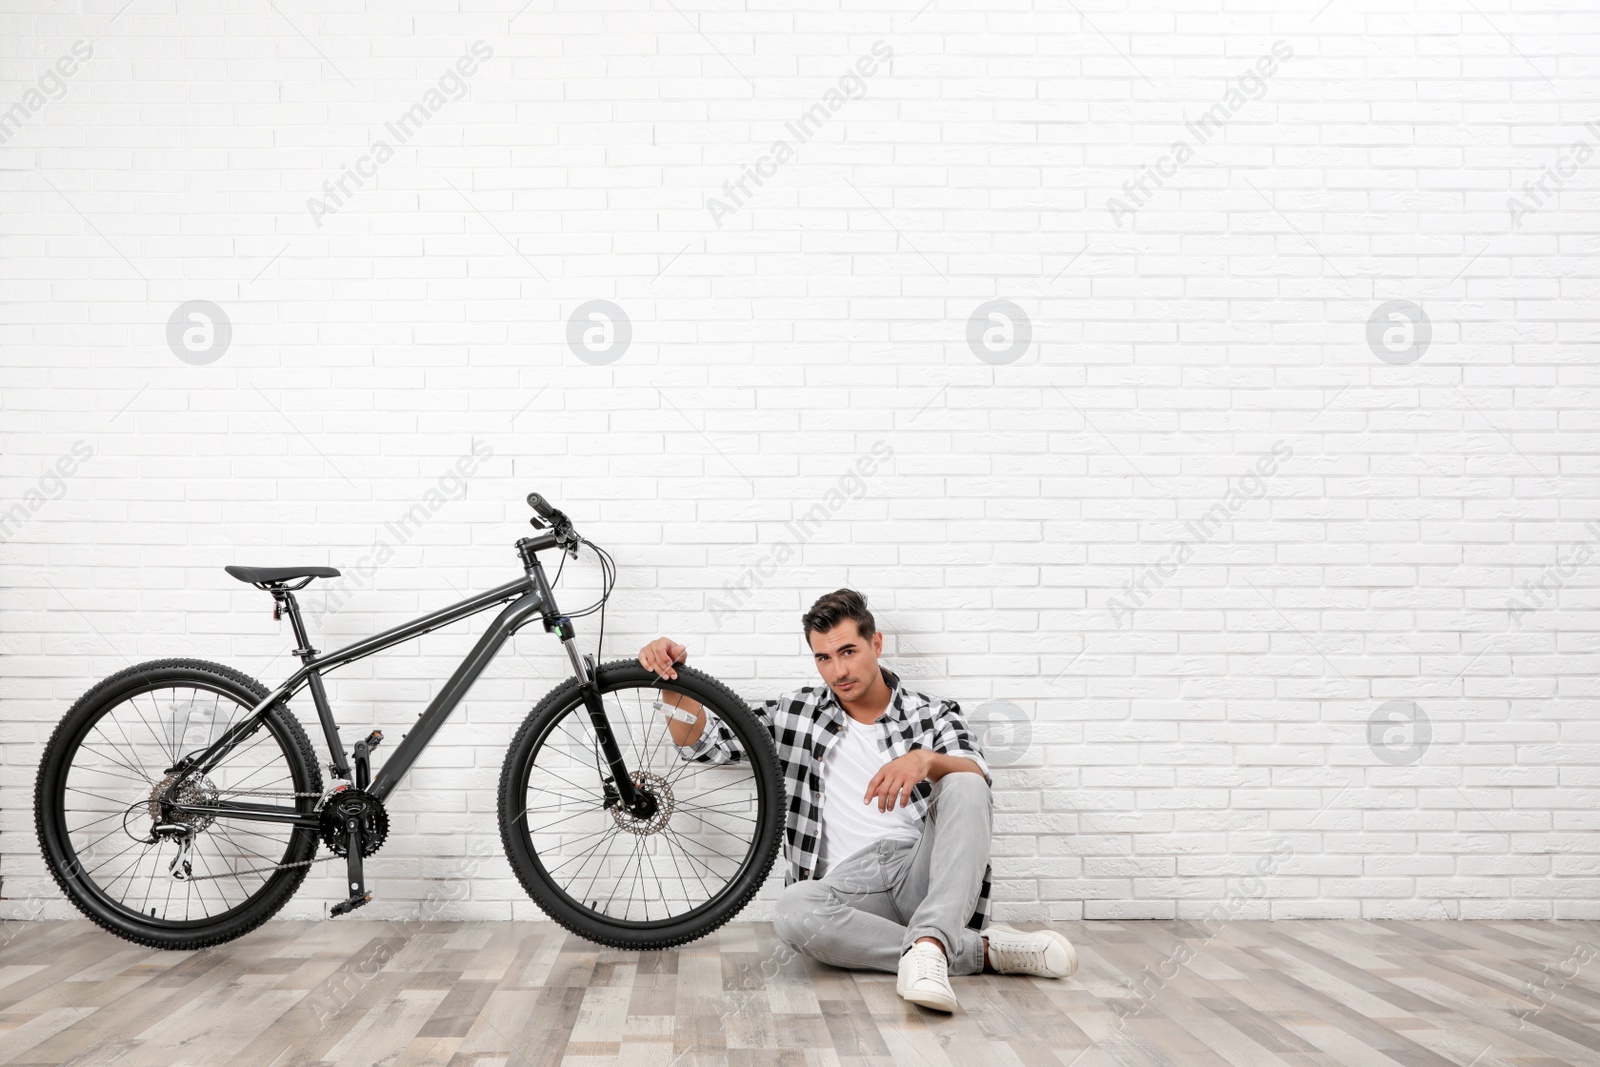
(542,506)
(566,538)
(559,534)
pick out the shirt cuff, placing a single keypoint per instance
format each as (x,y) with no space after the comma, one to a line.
(704,745)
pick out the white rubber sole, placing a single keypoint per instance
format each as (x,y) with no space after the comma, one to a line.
(931,998)
(937,999)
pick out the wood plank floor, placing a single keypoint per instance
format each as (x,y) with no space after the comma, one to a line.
(358,993)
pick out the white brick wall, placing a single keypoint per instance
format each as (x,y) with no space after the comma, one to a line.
(1219,731)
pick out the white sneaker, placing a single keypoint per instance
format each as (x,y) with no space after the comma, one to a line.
(1045,953)
(925,977)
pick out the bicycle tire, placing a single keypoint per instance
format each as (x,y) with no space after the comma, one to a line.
(54,834)
(759,750)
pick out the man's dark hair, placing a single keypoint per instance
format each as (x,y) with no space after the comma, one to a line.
(833,608)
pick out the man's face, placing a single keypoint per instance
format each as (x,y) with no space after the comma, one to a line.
(846,662)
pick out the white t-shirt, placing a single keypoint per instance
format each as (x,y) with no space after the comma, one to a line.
(848,825)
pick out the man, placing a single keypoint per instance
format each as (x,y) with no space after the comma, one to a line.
(889,817)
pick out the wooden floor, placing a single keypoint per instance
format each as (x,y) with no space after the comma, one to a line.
(354,993)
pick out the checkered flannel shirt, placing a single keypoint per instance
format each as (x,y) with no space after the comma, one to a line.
(805,723)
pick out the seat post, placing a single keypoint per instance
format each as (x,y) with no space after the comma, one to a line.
(286,604)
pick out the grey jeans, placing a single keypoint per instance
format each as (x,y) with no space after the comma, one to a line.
(872,905)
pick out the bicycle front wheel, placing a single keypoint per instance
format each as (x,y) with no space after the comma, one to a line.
(705,847)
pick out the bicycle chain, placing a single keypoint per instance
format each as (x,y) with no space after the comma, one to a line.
(263,870)
(275,867)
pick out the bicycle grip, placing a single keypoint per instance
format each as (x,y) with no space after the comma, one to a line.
(539,504)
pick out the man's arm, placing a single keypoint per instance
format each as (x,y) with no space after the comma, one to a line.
(896,779)
(953,748)
(953,740)
(718,745)
(941,764)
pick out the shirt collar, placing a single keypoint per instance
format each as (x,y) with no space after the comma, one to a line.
(895,708)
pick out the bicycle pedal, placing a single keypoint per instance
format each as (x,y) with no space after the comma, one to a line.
(374,739)
(345,907)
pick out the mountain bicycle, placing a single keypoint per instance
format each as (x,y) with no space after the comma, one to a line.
(179,803)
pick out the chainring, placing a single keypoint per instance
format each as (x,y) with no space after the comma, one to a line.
(352,803)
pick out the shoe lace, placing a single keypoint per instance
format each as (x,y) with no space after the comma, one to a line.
(928,964)
(1016,956)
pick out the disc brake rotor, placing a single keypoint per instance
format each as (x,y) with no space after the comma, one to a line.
(657,786)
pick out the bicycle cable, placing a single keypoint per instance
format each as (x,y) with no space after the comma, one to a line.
(608,583)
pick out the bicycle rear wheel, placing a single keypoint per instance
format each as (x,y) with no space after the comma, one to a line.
(96,806)
(628,882)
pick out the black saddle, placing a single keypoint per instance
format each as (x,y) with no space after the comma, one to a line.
(264,575)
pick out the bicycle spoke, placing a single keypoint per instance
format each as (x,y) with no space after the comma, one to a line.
(661,889)
(98,796)
(641,758)
(692,857)
(575,785)
(548,826)
(240,784)
(134,704)
(137,775)
(585,837)
(715,811)
(585,862)
(245,848)
(691,767)
(132,748)
(703,845)
(187,710)
(91,822)
(614,888)
(233,873)
(145,849)
(720,788)
(681,880)
(579,874)
(102,837)
(243,827)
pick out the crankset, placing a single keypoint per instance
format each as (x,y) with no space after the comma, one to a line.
(353,825)
(349,805)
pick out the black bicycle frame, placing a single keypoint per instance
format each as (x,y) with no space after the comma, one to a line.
(529,595)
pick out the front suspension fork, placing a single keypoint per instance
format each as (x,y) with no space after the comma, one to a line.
(633,801)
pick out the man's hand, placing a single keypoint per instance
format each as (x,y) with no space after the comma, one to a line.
(659,656)
(895,780)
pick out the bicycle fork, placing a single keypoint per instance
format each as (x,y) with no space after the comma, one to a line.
(639,805)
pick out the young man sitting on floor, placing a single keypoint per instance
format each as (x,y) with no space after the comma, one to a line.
(889,859)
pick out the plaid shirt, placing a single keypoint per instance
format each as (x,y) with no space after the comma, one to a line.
(805,723)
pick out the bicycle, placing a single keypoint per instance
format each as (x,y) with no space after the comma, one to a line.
(195,759)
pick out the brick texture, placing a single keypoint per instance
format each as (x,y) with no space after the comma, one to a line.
(1184,497)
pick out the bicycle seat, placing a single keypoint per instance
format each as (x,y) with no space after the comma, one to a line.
(257,575)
